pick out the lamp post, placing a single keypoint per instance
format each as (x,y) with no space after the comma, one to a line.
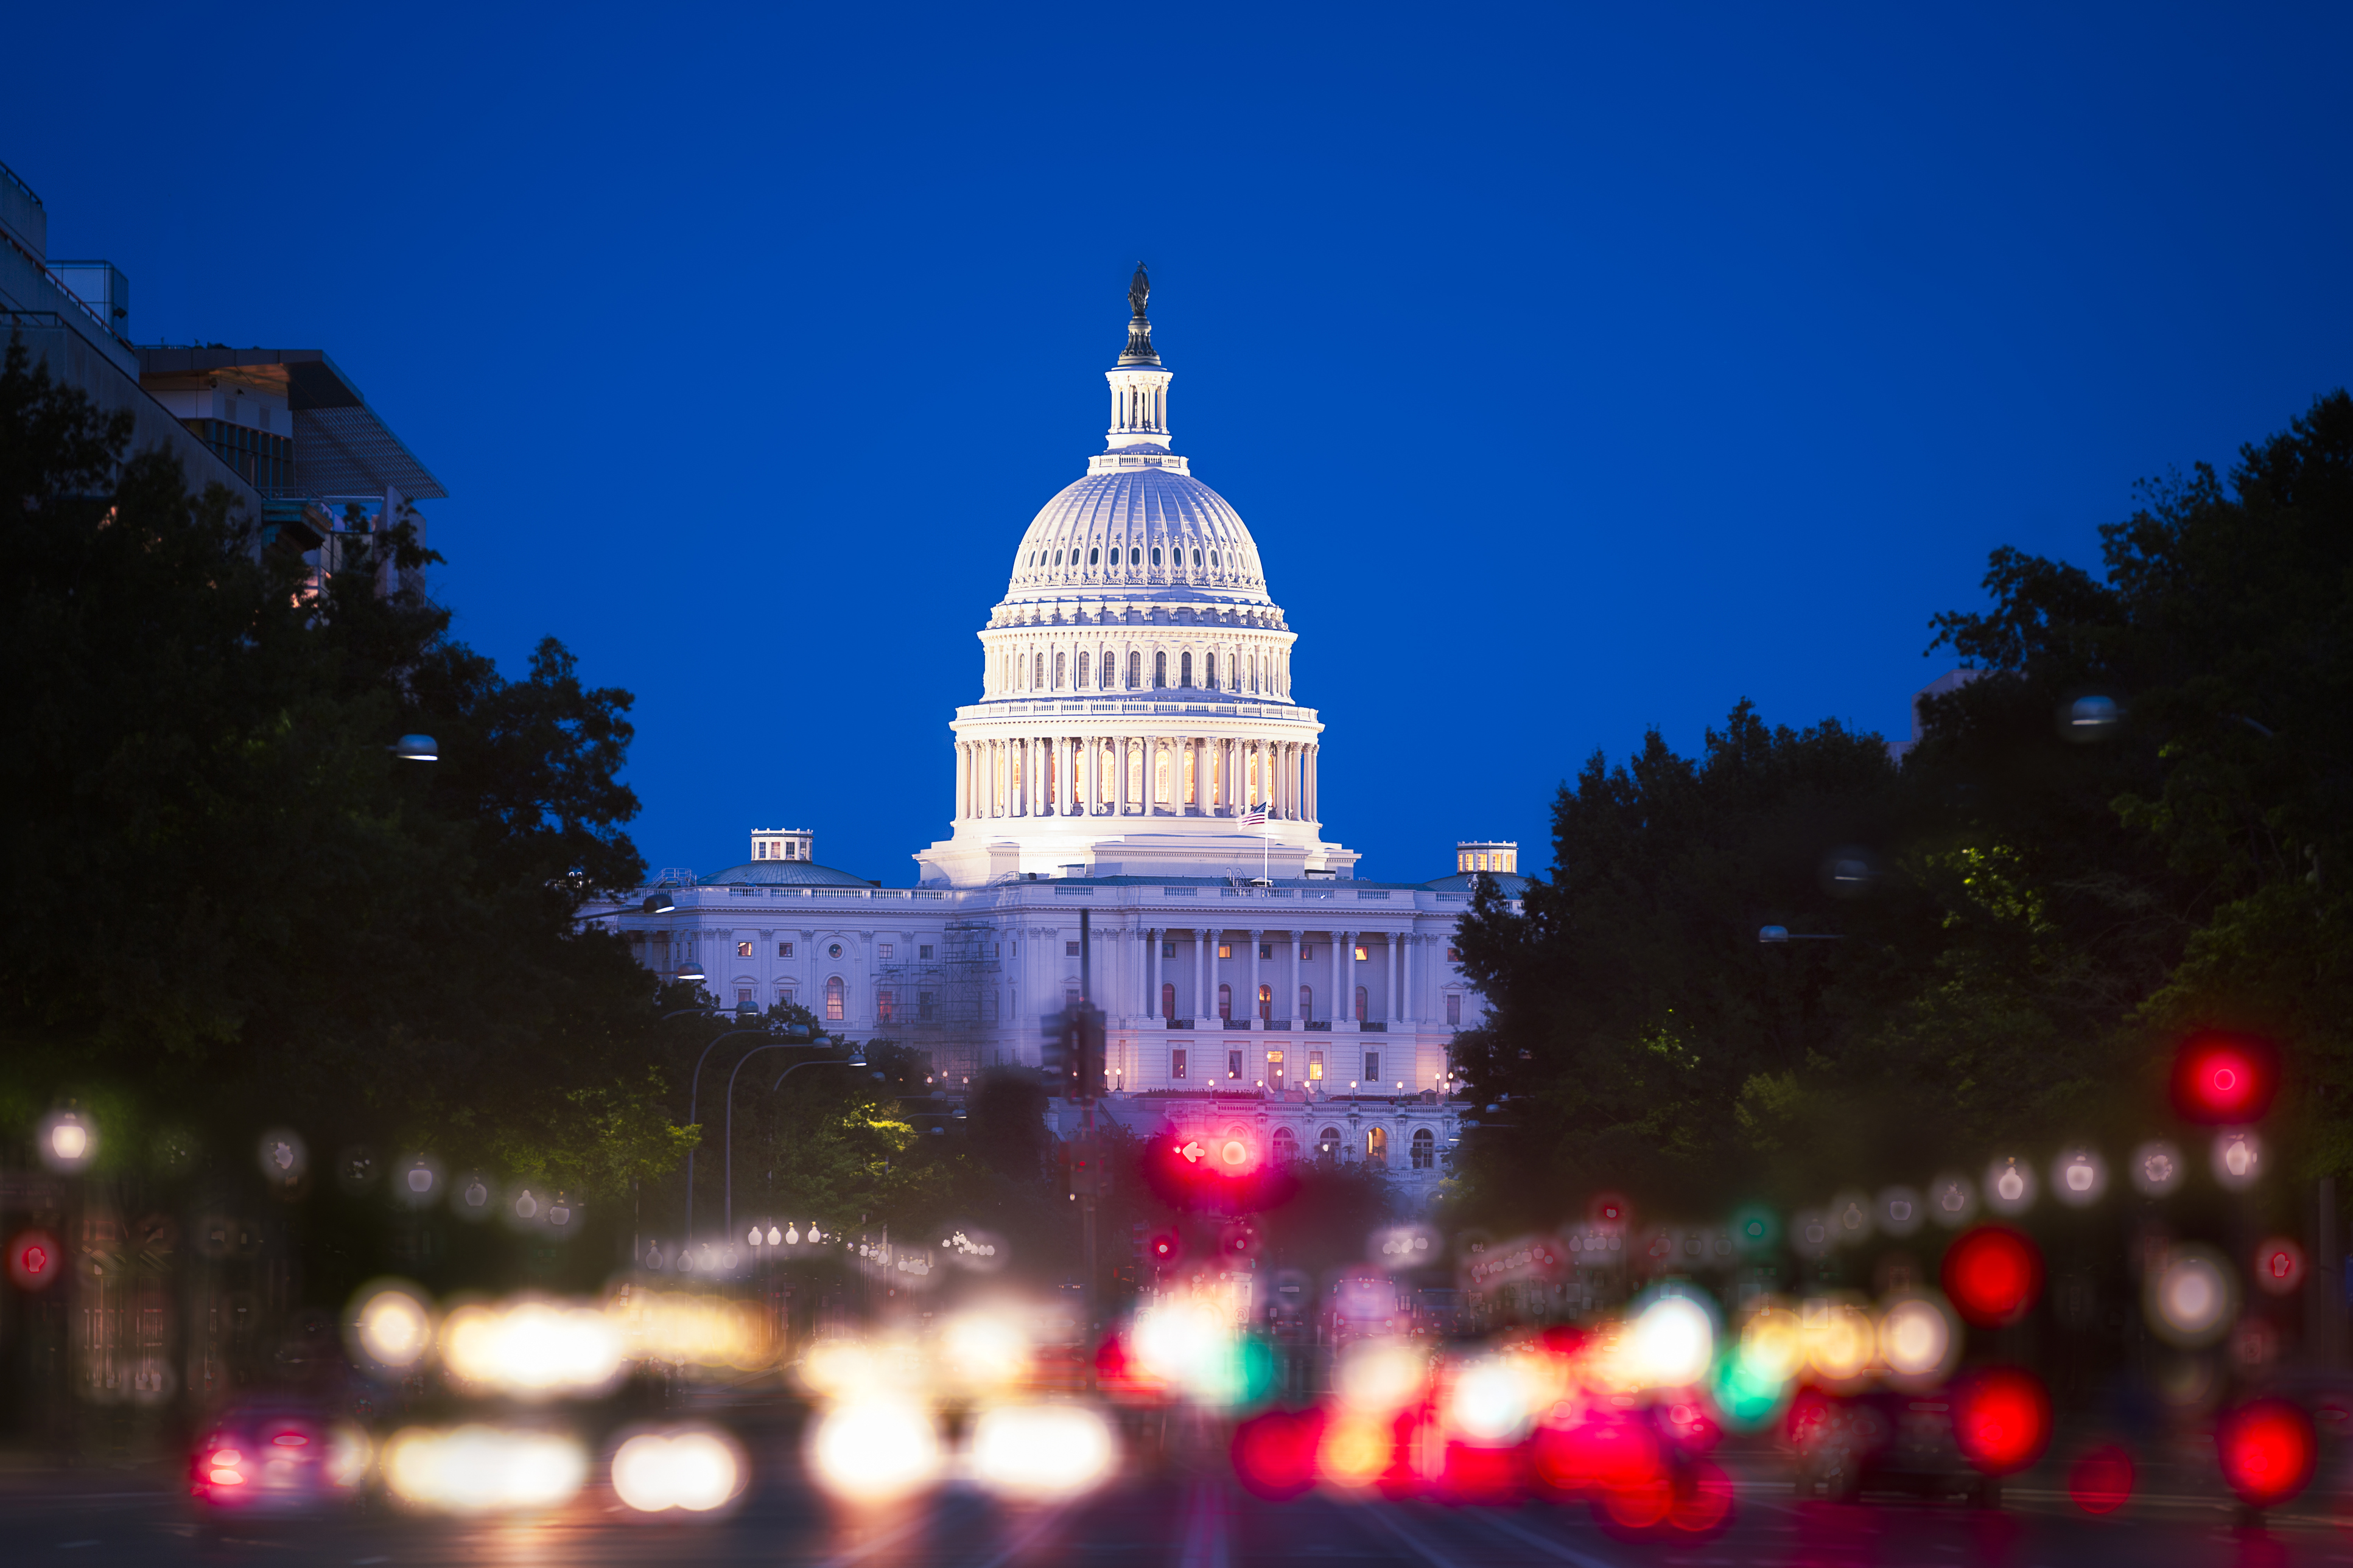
(856,1058)
(1773,935)
(693,1099)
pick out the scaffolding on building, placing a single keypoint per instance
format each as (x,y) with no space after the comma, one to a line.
(944,1001)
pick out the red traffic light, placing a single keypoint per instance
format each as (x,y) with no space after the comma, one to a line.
(2002,1419)
(1162,1248)
(2267,1448)
(2224,1079)
(1992,1275)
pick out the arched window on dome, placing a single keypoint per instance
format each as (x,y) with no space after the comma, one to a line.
(1209,671)
(1159,671)
(1062,670)
(1083,672)
(1134,671)
(1038,674)
(1058,558)
(1186,670)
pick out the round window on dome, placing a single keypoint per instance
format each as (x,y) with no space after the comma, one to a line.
(1213,558)
(1196,558)
(1155,555)
(1092,556)
(1058,558)
(1135,555)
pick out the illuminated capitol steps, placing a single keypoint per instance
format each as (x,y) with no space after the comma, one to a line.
(1136,682)
(1135,720)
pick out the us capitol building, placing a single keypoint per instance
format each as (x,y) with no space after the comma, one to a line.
(1136,752)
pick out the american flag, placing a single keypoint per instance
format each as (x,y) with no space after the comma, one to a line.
(1256,816)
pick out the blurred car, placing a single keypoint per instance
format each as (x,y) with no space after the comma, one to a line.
(1882,1440)
(283,1456)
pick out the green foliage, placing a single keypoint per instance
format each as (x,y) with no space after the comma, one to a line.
(232,901)
(2049,919)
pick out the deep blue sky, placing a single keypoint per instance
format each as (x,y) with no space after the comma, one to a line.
(1577,373)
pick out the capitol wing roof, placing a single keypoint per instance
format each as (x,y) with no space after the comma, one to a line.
(1123,517)
(781,873)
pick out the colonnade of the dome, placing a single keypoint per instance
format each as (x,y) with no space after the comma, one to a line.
(1152,773)
(1027,664)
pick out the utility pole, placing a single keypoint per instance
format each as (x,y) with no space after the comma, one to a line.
(1090,1035)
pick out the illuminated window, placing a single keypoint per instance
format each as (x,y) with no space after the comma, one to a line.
(1226,1002)
(1169,1001)
(1454,1006)
(783,950)
(1266,949)
(886,950)
(1225,950)
(1363,953)
(1306,950)
(1452,956)
(1424,1149)
(882,1006)
(1266,1002)
(1177,1062)
(1316,1066)
(1327,1144)
(1233,1064)
(784,996)
(1360,1005)
(743,950)
(1306,1002)
(1377,1144)
(833,996)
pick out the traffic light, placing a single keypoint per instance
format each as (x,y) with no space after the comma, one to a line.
(1163,1248)
(1056,1050)
(1088,1041)
(2224,1079)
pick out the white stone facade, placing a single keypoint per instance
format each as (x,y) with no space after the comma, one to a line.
(1137,753)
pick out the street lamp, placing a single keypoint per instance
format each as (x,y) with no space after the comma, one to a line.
(68,1142)
(695,1098)
(856,1059)
(416,749)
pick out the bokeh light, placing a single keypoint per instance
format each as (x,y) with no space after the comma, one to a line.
(1992,1275)
(1900,1211)
(1490,1400)
(1380,1375)
(2009,1186)
(1917,1339)
(282,1156)
(2101,1480)
(2221,1078)
(692,1469)
(2079,1177)
(2002,1419)
(2190,1299)
(2279,1266)
(1851,1215)
(1276,1455)
(532,1348)
(1670,1343)
(2268,1450)
(483,1470)
(392,1324)
(1041,1452)
(1952,1200)
(1810,1234)
(983,1350)
(2155,1168)
(2238,1158)
(874,1450)
(1840,1340)
(68,1142)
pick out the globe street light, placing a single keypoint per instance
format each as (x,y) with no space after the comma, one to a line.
(416,749)
(68,1141)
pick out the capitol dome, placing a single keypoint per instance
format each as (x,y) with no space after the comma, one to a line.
(1136,713)
(1154,530)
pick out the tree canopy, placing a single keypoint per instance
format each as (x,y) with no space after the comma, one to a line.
(2021,920)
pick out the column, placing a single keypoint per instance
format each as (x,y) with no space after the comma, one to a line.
(1393,976)
(1151,975)
(1413,945)
(1339,1008)
(1253,977)
(1291,1006)
(1347,975)
(1205,974)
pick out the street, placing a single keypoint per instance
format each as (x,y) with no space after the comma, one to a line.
(1192,1515)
